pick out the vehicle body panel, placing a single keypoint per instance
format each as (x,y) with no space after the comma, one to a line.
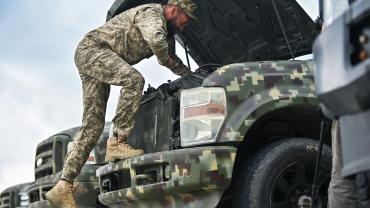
(9,198)
(53,151)
(187,175)
(256,88)
(85,194)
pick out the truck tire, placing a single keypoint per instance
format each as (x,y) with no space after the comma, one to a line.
(281,174)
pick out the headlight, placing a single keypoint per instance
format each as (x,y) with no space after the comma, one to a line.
(39,162)
(203,110)
(23,199)
(90,159)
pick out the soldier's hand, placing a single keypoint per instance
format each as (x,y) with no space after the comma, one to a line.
(172,62)
(181,70)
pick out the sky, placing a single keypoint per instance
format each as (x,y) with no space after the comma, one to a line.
(40,90)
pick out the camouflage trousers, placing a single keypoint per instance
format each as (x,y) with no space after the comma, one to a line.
(342,192)
(99,68)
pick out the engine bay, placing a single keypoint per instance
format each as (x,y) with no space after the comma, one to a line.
(157,126)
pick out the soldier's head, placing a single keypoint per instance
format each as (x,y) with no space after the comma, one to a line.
(179,12)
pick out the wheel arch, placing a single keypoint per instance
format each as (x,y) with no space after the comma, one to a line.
(299,121)
(289,121)
(246,118)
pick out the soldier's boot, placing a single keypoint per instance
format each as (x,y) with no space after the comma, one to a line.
(118,150)
(61,196)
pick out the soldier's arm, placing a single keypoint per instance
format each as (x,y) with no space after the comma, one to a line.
(179,68)
(154,33)
(171,44)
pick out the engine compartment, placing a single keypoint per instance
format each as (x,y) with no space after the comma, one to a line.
(157,126)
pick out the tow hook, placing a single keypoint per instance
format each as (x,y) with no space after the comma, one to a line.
(305,202)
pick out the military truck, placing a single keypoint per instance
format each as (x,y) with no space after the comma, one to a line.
(15,196)
(240,131)
(49,159)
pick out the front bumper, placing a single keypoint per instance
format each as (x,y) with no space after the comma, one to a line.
(40,204)
(36,190)
(177,178)
(85,193)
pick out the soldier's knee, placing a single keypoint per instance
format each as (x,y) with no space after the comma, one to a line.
(139,80)
(132,80)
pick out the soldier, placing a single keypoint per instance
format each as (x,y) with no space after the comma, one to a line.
(342,191)
(105,57)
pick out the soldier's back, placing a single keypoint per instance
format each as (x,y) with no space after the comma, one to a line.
(122,36)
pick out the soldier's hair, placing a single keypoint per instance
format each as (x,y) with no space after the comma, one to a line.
(171,29)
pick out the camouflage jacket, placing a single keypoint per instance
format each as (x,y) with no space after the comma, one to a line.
(139,33)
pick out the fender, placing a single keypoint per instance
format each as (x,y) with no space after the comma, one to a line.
(256,88)
(242,119)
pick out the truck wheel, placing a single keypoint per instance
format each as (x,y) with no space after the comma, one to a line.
(280,175)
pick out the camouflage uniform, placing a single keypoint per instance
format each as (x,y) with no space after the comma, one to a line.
(342,192)
(103,58)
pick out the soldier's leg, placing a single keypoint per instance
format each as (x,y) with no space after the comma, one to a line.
(124,119)
(128,103)
(342,192)
(132,84)
(95,97)
(115,71)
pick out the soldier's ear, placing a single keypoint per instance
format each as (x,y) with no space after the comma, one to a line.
(173,11)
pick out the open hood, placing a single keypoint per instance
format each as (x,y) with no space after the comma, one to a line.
(230,31)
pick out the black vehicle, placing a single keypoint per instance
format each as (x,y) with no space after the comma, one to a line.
(15,196)
(49,160)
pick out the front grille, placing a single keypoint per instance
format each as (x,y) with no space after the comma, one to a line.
(36,194)
(6,200)
(44,154)
(50,155)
